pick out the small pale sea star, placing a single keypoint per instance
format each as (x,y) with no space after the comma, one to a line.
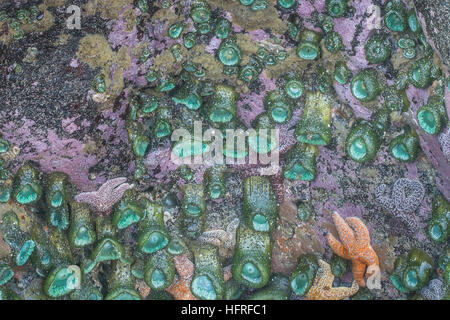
(219,237)
(106,196)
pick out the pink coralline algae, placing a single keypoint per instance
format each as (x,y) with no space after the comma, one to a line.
(405,198)
(52,152)
(106,196)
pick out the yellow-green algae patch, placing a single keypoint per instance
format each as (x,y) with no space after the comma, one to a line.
(38,26)
(250,20)
(94,50)
(108,9)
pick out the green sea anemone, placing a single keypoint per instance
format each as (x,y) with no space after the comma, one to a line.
(301,162)
(362,142)
(365,85)
(406,146)
(432,117)
(314,126)
(251,261)
(303,276)
(259,205)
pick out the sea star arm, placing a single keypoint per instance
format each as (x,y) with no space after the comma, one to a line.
(109,185)
(232,226)
(214,234)
(340,293)
(345,232)
(361,232)
(358,269)
(337,247)
(369,256)
(326,277)
(184,266)
(118,191)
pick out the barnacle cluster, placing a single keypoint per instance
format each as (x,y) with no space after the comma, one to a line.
(101,244)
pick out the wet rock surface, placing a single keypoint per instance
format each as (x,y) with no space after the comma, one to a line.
(48,110)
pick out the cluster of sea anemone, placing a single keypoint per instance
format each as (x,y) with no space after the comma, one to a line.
(69,237)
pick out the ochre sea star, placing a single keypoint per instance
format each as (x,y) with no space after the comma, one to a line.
(355,246)
(322,288)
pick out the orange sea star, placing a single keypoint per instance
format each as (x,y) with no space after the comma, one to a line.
(322,288)
(355,246)
(180,288)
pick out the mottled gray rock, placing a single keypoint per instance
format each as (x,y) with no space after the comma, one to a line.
(434,16)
